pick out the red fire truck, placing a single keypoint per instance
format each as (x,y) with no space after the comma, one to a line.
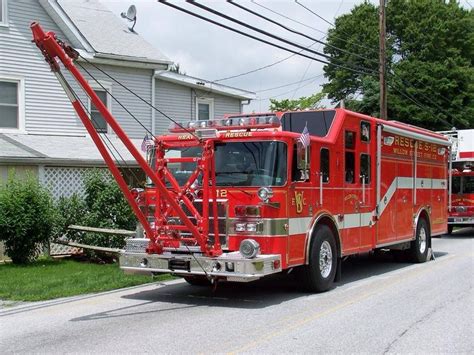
(461,187)
(246,196)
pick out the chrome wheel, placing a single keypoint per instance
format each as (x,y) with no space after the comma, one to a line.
(422,240)
(325,259)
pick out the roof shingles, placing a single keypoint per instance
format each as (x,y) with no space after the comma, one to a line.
(107,34)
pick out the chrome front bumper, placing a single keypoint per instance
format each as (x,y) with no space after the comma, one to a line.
(230,266)
(460,220)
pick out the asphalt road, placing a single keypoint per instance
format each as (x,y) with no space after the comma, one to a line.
(380,306)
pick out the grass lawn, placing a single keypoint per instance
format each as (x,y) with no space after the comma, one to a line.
(47,279)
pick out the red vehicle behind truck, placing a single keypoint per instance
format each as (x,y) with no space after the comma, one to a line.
(461,187)
(246,196)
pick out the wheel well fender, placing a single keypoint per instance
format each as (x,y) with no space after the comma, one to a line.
(423,213)
(328,220)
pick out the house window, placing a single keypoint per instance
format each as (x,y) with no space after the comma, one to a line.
(204,108)
(11,104)
(97,119)
(3,12)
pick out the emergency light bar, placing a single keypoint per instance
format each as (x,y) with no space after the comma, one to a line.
(236,122)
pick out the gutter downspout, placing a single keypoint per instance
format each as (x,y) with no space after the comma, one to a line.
(153,113)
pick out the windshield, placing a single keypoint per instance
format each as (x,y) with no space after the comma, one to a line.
(463,185)
(238,163)
(251,163)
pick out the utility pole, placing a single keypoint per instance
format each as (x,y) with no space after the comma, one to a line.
(382,66)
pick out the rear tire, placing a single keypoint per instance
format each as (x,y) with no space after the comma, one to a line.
(419,247)
(197,280)
(319,275)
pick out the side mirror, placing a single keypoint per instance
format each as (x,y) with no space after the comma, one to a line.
(302,161)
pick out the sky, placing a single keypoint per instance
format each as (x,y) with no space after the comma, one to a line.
(209,52)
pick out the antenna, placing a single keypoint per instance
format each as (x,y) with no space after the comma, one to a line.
(131,15)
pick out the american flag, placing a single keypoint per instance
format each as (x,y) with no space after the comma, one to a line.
(304,137)
(146,142)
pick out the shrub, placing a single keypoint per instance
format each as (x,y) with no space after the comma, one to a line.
(69,210)
(106,208)
(26,218)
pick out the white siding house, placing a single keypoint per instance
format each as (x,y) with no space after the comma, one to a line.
(39,130)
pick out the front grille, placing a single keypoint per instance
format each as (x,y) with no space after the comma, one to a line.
(221,220)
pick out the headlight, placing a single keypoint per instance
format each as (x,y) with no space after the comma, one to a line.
(254,227)
(265,194)
(249,248)
(240,227)
(251,227)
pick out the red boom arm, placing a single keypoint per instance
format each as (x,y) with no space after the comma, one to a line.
(51,48)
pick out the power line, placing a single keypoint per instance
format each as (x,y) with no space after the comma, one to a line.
(307,26)
(421,106)
(289,84)
(295,31)
(432,102)
(339,7)
(287,92)
(268,34)
(309,64)
(263,67)
(288,18)
(298,33)
(360,71)
(314,13)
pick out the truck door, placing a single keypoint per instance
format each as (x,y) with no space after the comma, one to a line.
(300,200)
(352,193)
(359,187)
(367,182)
(387,180)
(403,196)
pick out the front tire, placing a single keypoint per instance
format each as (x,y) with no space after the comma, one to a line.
(419,247)
(319,275)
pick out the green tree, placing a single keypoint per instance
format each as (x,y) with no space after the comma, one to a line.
(303,103)
(26,218)
(430,47)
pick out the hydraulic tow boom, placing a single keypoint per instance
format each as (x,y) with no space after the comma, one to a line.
(162,233)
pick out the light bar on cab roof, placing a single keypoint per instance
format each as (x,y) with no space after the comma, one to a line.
(236,122)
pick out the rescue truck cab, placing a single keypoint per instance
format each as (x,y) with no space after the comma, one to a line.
(461,187)
(357,184)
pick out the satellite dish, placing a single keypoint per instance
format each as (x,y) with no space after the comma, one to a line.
(131,15)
